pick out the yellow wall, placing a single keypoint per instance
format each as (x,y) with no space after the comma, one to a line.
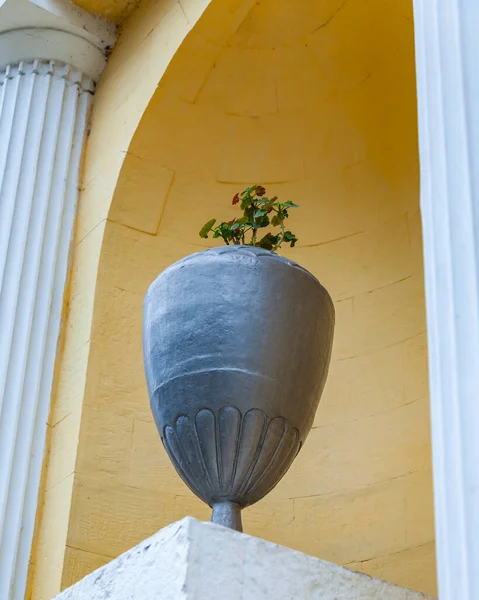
(316,100)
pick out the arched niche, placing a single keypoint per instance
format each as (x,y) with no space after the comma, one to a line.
(316,100)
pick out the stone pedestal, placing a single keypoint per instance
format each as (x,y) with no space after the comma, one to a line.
(189,560)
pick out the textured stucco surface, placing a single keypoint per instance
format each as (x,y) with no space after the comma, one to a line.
(113,10)
(189,560)
(317,101)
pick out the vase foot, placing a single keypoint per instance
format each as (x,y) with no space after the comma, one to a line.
(227,514)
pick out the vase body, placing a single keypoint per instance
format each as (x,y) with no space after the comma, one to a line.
(237,343)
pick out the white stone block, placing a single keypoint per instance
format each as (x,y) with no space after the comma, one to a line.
(201,561)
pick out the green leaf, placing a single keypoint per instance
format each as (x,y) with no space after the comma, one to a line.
(262,221)
(245,202)
(290,204)
(207,227)
(248,213)
(265,242)
(260,212)
(243,220)
(275,221)
(291,238)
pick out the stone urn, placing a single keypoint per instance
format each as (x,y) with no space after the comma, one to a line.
(237,343)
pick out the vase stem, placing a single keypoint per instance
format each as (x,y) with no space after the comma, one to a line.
(227,514)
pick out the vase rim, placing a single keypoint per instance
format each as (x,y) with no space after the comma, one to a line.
(243,249)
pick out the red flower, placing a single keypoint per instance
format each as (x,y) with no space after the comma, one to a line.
(236,199)
(231,222)
(260,190)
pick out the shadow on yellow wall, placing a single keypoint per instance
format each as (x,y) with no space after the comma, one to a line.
(317,100)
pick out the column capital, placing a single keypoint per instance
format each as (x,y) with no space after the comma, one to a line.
(54,30)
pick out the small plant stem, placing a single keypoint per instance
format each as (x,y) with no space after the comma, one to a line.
(281,224)
(253,239)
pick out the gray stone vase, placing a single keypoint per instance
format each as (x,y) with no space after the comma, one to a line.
(237,343)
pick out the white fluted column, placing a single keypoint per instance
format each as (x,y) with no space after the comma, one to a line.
(44,109)
(447,50)
(43,113)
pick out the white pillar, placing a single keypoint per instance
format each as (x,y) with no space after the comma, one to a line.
(447,49)
(47,72)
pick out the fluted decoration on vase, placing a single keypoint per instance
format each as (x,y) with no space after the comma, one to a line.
(226,456)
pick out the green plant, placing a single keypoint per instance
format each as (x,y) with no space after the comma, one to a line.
(259,212)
